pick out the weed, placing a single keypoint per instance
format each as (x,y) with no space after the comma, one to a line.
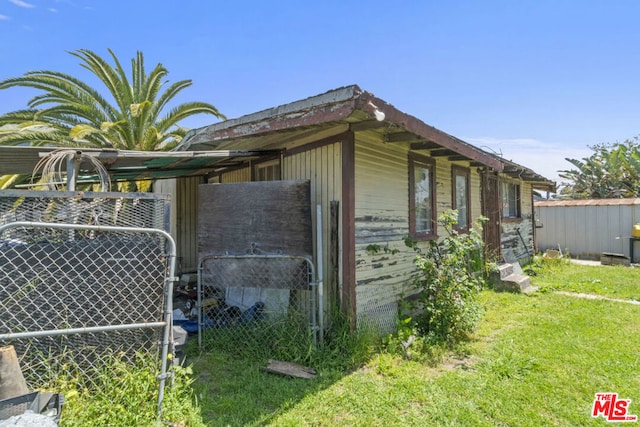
(122,393)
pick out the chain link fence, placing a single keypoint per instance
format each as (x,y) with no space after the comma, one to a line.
(257,305)
(84,278)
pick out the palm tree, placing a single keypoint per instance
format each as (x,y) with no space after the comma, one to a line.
(70,113)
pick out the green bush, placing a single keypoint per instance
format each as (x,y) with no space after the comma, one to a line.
(451,277)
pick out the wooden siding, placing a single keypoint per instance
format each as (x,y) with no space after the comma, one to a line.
(524,225)
(322,165)
(183,218)
(382,219)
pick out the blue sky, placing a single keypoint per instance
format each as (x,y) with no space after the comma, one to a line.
(537,81)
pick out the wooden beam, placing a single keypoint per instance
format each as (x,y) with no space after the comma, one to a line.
(368,103)
(457,158)
(442,152)
(427,145)
(367,125)
(404,137)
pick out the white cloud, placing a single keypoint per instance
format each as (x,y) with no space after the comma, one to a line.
(543,157)
(52,10)
(21,3)
(4,18)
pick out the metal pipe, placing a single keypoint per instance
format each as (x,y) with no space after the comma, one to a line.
(70,331)
(73,170)
(199,302)
(319,264)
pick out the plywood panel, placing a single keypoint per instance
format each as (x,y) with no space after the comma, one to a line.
(270,217)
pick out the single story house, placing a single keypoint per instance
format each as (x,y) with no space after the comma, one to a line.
(379,175)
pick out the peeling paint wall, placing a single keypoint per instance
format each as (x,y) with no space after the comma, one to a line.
(382,219)
(510,239)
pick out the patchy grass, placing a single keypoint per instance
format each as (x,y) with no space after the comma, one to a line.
(610,281)
(536,360)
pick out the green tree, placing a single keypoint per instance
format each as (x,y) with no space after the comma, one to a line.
(134,113)
(612,171)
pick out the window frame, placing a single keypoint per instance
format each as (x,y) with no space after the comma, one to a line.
(518,200)
(416,160)
(258,167)
(456,171)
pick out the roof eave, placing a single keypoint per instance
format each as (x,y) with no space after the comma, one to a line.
(369,103)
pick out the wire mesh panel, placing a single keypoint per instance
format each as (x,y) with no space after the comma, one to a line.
(69,297)
(262,304)
(142,210)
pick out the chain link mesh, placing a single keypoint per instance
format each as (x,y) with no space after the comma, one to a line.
(55,282)
(255,305)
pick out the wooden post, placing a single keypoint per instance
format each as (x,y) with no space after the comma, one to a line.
(12,382)
(334,254)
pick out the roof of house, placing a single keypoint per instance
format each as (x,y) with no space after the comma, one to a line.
(340,110)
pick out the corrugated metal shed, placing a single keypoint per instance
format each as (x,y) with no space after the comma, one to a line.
(587,228)
(589,202)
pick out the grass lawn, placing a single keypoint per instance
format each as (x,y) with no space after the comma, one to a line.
(536,360)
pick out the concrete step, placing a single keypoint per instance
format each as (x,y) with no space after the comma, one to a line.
(510,278)
(516,283)
(505,270)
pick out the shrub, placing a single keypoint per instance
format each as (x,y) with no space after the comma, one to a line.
(451,277)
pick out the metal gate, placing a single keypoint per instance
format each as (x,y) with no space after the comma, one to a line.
(75,292)
(250,299)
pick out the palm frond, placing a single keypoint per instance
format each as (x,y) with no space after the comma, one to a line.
(183,111)
(67,111)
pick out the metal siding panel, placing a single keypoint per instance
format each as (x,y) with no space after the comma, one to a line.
(624,229)
(587,230)
(590,233)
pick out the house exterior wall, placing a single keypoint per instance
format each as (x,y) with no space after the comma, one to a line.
(510,239)
(322,166)
(236,175)
(382,219)
(183,218)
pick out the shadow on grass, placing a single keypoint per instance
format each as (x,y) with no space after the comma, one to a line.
(233,389)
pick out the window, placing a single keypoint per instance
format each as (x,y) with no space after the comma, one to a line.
(460,197)
(267,171)
(510,200)
(422,197)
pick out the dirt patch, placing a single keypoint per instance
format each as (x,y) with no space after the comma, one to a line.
(454,363)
